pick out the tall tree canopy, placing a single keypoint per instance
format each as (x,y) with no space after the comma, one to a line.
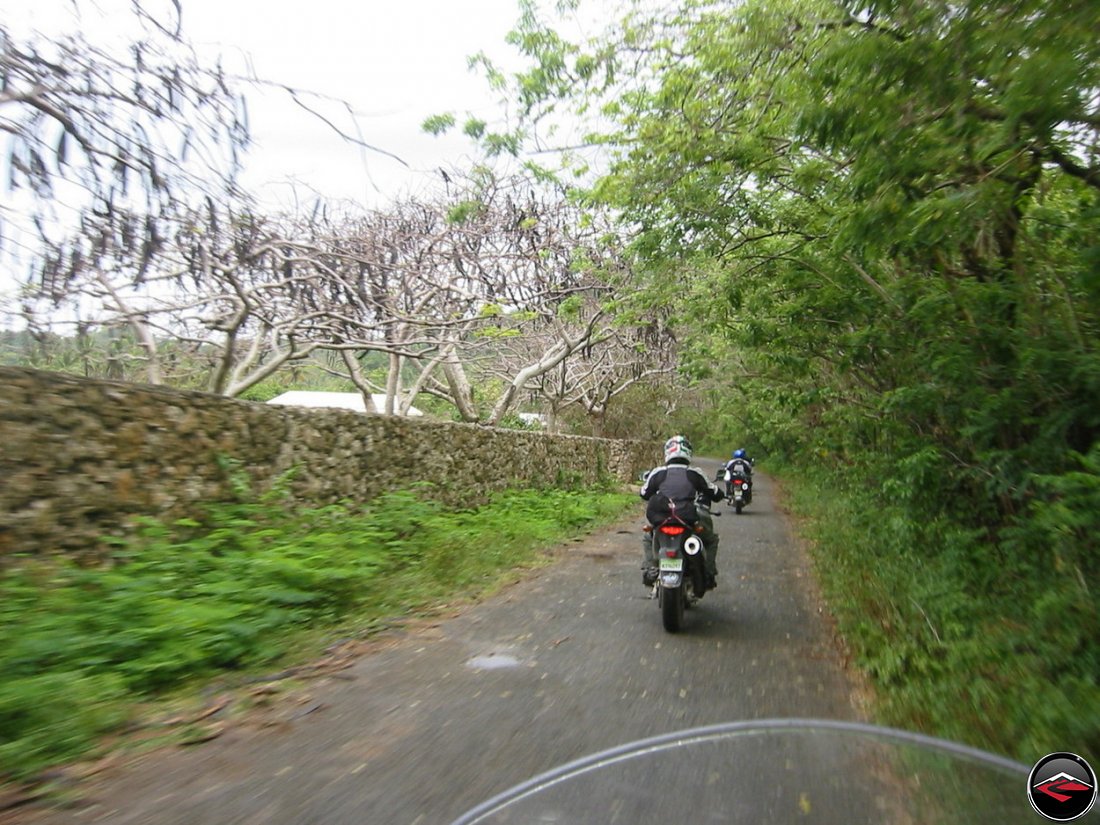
(891,206)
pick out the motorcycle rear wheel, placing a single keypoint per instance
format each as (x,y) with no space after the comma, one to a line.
(672,608)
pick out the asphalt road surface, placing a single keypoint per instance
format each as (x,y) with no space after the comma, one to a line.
(435,718)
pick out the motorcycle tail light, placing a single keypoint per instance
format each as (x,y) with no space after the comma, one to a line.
(670,553)
(672,529)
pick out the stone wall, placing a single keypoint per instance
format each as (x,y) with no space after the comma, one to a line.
(79,458)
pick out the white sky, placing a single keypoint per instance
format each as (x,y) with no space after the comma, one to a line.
(395,61)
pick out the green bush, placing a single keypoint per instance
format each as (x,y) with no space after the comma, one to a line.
(993,641)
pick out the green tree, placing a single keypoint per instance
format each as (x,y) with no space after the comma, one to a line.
(880,224)
(889,208)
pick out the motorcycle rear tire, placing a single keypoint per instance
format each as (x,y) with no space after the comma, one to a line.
(672,608)
(738,507)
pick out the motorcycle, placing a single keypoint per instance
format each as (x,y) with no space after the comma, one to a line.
(774,771)
(738,488)
(681,569)
(738,491)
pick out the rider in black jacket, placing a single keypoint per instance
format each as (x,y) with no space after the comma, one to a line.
(691,491)
(740,464)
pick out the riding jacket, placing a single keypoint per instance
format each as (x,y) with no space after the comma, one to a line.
(679,485)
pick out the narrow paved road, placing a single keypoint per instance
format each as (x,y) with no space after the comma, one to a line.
(569,661)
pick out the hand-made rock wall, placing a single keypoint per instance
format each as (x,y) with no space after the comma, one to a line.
(80,458)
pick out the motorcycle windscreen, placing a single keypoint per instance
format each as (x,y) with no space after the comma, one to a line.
(774,771)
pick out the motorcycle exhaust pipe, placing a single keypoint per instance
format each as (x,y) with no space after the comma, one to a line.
(693,545)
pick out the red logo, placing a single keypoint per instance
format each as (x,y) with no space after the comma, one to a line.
(1062,787)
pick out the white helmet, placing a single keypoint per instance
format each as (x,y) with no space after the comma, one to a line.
(678,449)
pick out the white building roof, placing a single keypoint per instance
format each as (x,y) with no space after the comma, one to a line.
(337,400)
(533,418)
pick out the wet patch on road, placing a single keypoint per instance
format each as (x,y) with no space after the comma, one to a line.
(492,662)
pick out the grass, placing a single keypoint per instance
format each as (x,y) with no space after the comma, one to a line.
(961,638)
(248,586)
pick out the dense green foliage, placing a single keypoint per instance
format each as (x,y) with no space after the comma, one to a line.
(992,644)
(232,592)
(880,227)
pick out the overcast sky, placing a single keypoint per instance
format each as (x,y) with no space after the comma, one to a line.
(394,61)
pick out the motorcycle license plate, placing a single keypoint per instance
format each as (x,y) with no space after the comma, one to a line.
(671,565)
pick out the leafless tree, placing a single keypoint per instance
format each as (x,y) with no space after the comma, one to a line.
(499,282)
(629,355)
(559,269)
(453,289)
(102,144)
(495,280)
(225,291)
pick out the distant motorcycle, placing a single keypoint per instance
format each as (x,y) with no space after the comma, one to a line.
(738,488)
(739,491)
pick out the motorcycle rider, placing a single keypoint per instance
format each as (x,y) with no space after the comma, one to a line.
(689,489)
(740,464)
(740,461)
